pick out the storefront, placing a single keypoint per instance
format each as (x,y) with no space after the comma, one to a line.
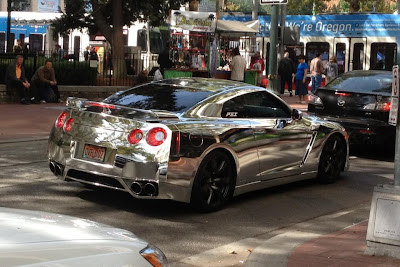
(200,48)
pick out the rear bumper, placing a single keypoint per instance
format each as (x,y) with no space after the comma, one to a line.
(145,180)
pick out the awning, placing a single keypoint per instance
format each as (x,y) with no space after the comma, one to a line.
(232,26)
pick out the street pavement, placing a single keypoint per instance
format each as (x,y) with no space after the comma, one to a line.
(337,239)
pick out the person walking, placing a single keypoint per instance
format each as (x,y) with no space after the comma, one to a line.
(286,71)
(238,66)
(316,69)
(45,82)
(16,80)
(257,63)
(331,70)
(300,79)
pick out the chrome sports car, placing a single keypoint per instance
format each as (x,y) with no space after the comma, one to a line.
(193,140)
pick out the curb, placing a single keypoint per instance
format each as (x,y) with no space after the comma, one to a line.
(32,139)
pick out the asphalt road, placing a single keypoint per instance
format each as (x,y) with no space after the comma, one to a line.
(182,233)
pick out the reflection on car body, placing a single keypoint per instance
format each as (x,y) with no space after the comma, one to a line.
(360,101)
(194,140)
(35,238)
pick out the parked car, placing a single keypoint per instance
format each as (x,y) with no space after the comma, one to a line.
(34,238)
(194,140)
(360,101)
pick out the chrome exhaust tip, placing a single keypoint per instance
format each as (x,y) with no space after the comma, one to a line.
(59,169)
(136,188)
(150,189)
(52,167)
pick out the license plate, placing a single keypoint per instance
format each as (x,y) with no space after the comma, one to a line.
(95,153)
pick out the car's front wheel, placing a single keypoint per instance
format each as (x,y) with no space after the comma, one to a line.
(214,183)
(332,160)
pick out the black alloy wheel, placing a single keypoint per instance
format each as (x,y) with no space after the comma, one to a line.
(332,160)
(214,183)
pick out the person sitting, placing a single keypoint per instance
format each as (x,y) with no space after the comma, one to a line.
(16,81)
(44,80)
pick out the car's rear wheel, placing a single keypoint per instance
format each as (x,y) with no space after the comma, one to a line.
(332,160)
(214,183)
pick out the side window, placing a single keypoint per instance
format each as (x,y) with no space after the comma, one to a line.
(383,56)
(255,105)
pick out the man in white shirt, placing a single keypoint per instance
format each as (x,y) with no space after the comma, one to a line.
(238,66)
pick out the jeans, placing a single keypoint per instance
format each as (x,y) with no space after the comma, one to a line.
(316,82)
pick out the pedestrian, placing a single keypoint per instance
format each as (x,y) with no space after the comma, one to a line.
(238,66)
(17,49)
(164,60)
(257,63)
(45,83)
(86,53)
(316,69)
(331,70)
(286,71)
(16,81)
(301,78)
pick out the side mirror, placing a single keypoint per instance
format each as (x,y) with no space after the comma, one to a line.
(297,114)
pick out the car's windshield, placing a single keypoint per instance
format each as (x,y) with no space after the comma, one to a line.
(363,82)
(159,97)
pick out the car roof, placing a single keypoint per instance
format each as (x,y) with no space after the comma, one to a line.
(367,72)
(207,84)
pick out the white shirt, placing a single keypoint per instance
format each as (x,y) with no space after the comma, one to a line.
(238,66)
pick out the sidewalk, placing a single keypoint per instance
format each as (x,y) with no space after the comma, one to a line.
(27,122)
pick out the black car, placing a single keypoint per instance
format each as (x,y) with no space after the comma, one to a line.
(360,101)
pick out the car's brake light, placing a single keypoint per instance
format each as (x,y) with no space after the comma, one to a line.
(135,136)
(101,105)
(61,119)
(68,125)
(342,94)
(156,136)
(381,106)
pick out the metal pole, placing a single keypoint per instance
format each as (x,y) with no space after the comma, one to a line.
(397,150)
(272,66)
(282,24)
(9,45)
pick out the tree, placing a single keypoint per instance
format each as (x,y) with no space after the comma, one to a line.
(306,7)
(352,6)
(109,17)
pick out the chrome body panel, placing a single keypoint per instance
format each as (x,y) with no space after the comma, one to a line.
(266,152)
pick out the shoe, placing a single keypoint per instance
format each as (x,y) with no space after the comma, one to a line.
(303,102)
(42,102)
(290,93)
(298,102)
(60,101)
(25,102)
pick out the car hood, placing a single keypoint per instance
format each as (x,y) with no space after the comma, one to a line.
(23,226)
(43,239)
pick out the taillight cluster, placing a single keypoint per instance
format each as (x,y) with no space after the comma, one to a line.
(61,123)
(155,137)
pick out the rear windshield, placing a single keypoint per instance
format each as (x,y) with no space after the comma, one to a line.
(159,97)
(374,83)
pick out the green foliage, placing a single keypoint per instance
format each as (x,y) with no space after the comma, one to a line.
(79,14)
(381,6)
(245,6)
(306,7)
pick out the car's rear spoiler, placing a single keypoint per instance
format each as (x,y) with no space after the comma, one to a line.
(117,110)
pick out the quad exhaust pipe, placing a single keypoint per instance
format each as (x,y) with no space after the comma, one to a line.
(144,188)
(56,168)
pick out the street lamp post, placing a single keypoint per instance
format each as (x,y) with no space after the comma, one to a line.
(9,44)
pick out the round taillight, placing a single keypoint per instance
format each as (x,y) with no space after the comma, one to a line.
(156,136)
(135,136)
(61,119)
(68,125)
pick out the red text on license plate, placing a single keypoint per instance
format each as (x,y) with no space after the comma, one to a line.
(94,152)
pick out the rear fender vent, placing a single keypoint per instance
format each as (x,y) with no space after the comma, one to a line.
(121,161)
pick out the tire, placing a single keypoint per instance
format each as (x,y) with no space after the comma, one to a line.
(214,183)
(332,160)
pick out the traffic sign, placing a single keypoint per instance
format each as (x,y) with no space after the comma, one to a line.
(273,2)
(394,106)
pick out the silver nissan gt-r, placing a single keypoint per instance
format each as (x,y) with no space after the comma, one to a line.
(194,140)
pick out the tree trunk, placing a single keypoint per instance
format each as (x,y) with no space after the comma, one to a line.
(354,5)
(118,62)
